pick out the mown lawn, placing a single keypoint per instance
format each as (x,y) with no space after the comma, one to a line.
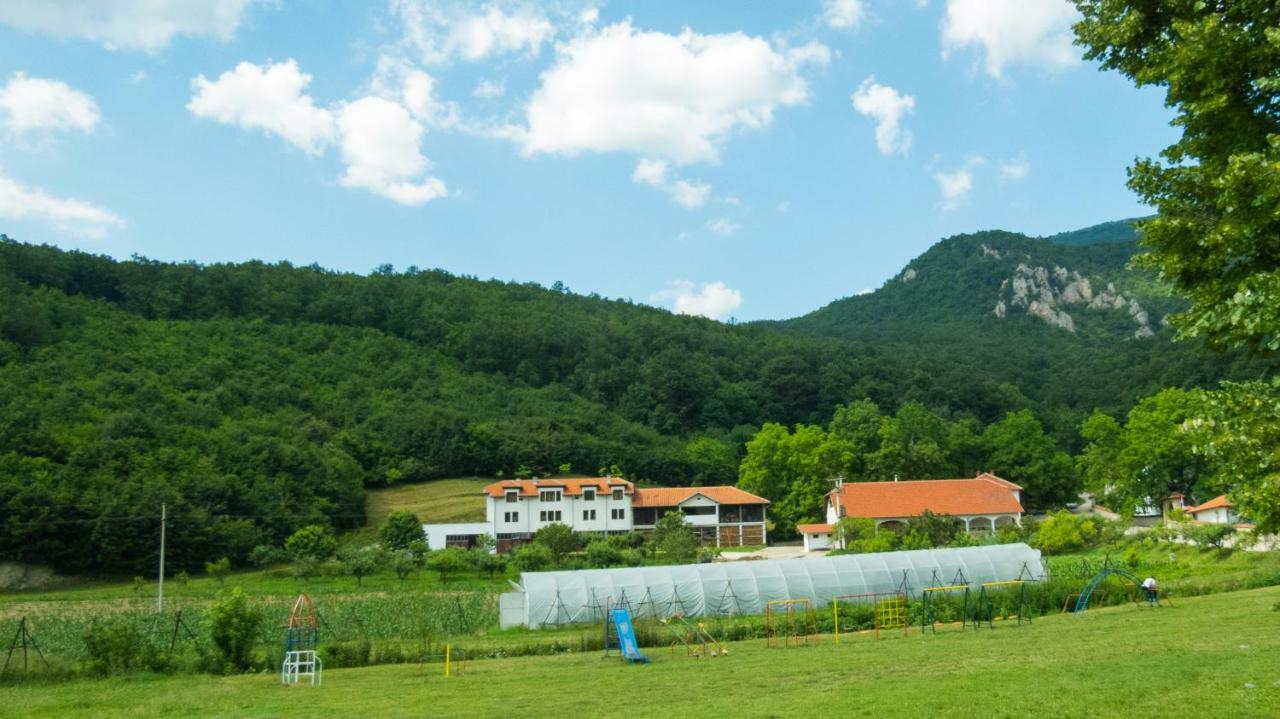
(1213,656)
(440,500)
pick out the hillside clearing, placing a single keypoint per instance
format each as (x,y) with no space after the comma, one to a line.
(1205,656)
(440,500)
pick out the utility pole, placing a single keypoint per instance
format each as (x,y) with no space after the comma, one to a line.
(160,590)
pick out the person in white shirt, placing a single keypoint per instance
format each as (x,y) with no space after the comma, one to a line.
(1150,589)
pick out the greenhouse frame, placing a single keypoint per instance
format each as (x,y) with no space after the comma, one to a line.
(745,587)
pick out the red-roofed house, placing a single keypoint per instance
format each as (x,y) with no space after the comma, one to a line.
(721,516)
(1218,510)
(984,503)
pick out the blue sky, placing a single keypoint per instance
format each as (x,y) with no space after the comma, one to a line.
(749,160)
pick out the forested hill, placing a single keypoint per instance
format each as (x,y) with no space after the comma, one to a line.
(255,398)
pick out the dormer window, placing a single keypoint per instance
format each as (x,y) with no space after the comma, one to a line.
(549,495)
(589,494)
(617,494)
(512,495)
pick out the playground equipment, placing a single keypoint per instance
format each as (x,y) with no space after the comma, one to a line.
(1082,602)
(889,611)
(790,622)
(932,595)
(697,641)
(623,637)
(992,592)
(736,588)
(300,633)
(453,660)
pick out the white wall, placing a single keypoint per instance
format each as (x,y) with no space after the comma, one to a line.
(437,533)
(817,540)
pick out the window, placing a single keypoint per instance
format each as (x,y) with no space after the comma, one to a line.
(549,495)
(690,511)
(588,495)
(644,516)
(511,495)
(549,516)
(617,493)
(511,517)
(588,515)
(619,514)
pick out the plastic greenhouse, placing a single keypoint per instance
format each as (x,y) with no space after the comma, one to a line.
(584,596)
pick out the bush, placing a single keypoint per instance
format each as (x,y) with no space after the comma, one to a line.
(532,557)
(219,569)
(305,568)
(313,542)
(117,646)
(233,627)
(601,553)
(265,555)
(1208,535)
(630,540)
(360,563)
(490,564)
(674,539)
(448,561)
(558,538)
(346,654)
(400,530)
(1065,532)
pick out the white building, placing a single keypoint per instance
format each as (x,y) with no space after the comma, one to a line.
(982,504)
(1218,510)
(516,509)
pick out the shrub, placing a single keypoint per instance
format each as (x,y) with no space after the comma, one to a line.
(182,577)
(265,555)
(1209,535)
(601,553)
(346,654)
(630,540)
(312,541)
(850,530)
(400,530)
(532,557)
(936,530)
(446,562)
(674,539)
(403,563)
(558,538)
(305,568)
(117,646)
(360,563)
(219,569)
(491,564)
(1065,532)
(233,627)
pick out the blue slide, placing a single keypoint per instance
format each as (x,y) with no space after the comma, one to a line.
(627,637)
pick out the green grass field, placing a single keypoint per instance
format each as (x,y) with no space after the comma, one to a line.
(441,500)
(1215,656)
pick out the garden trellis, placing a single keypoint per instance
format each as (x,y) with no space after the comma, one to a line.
(722,588)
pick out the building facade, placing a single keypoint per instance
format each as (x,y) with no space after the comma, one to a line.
(982,504)
(1218,510)
(516,509)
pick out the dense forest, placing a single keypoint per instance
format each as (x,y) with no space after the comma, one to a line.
(255,398)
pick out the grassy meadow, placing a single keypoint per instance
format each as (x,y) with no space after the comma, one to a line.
(1212,656)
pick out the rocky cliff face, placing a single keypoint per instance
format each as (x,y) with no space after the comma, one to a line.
(1051,295)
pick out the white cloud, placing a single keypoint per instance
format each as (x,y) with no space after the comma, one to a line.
(887,107)
(1011,31)
(673,97)
(711,299)
(138,77)
(488,89)
(401,82)
(865,291)
(270,98)
(76,217)
(722,226)
(147,25)
(34,104)
(957,184)
(380,144)
(656,173)
(1015,169)
(843,14)
(440,31)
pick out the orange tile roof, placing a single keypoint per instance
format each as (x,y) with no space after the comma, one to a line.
(1218,501)
(984,494)
(571,487)
(671,496)
(814,528)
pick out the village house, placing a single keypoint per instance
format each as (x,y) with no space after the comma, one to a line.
(1218,510)
(516,509)
(982,504)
